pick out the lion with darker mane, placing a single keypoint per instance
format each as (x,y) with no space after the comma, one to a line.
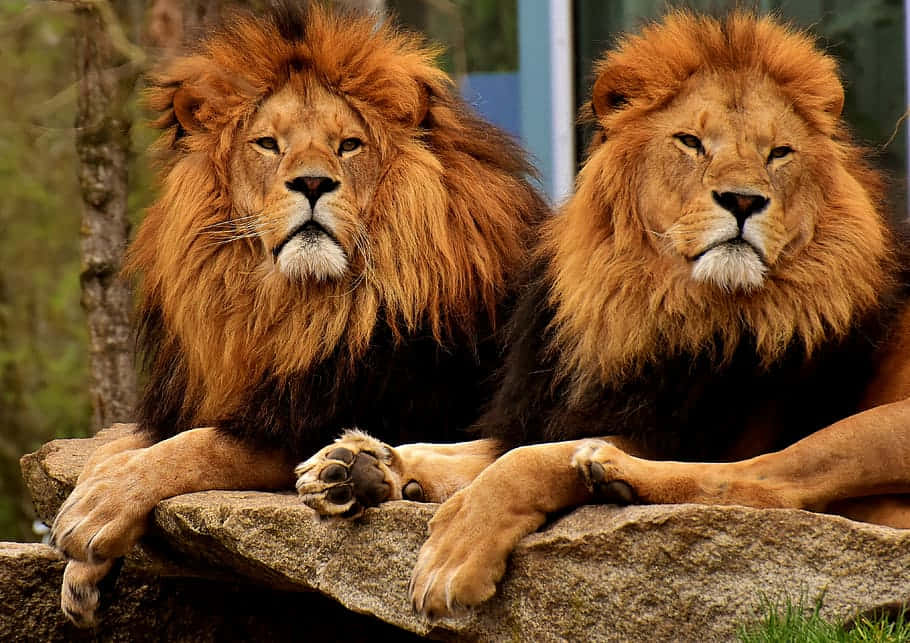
(335,241)
(724,287)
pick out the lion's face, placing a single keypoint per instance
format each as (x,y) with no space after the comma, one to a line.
(724,188)
(303,171)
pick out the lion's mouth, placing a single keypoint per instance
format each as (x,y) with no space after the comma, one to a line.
(309,230)
(730,243)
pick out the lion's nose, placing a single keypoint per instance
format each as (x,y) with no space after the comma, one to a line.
(312,187)
(741,206)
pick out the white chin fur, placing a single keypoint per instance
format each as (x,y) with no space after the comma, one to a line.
(731,267)
(318,257)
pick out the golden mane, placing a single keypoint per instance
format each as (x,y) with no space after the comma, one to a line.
(446,229)
(620,304)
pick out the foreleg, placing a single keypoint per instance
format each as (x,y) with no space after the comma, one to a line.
(867,454)
(107,511)
(358,471)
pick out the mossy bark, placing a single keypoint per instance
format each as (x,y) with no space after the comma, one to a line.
(106,82)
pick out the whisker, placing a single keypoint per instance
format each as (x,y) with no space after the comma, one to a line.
(251,223)
(234,231)
(231,223)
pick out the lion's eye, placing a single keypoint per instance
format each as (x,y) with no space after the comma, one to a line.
(780,152)
(267,143)
(349,145)
(692,141)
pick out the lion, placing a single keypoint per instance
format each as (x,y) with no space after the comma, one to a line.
(718,315)
(336,240)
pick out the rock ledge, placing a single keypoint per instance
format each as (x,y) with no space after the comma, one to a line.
(679,572)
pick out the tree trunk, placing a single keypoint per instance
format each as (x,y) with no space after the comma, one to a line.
(102,143)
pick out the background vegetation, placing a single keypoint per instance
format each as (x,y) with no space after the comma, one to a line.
(42,332)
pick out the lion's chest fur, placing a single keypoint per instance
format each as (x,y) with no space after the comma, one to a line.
(690,406)
(400,389)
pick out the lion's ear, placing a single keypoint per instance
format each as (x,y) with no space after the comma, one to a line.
(835,102)
(421,115)
(613,90)
(202,103)
(187,104)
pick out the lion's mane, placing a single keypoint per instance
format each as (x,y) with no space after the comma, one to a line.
(637,309)
(445,234)
(614,338)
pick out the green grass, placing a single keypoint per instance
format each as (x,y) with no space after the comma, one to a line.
(786,622)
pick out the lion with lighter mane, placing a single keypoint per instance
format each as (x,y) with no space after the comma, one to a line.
(723,287)
(334,244)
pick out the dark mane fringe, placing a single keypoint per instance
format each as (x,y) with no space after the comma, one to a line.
(289,18)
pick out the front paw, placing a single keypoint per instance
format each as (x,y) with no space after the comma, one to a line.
(106,513)
(79,595)
(463,559)
(354,472)
(601,466)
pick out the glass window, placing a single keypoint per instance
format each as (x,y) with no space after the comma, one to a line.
(505,56)
(481,50)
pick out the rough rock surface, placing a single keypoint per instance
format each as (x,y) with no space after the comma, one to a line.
(677,572)
(142,607)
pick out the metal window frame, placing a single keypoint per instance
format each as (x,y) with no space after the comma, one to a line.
(546,51)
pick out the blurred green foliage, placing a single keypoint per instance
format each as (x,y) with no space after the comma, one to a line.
(43,337)
(478,35)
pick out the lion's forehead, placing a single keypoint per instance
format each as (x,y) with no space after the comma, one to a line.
(735,108)
(304,111)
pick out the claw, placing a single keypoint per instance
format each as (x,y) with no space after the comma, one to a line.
(618,491)
(413,491)
(595,463)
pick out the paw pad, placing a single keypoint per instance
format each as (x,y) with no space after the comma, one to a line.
(334,473)
(413,491)
(341,454)
(339,495)
(341,481)
(601,475)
